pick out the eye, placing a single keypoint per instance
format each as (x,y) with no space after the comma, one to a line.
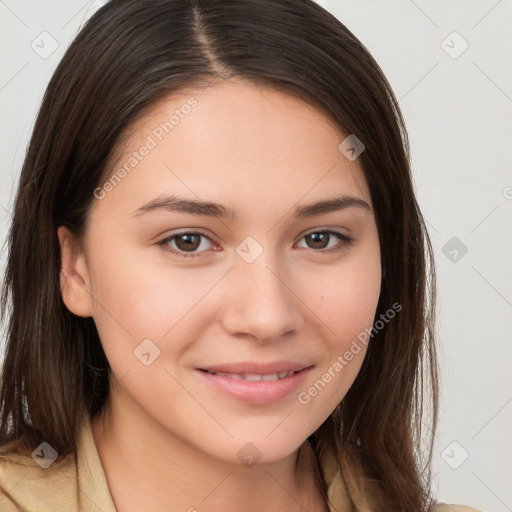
(189,244)
(321,240)
(186,242)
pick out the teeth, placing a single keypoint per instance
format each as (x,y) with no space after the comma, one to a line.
(252,377)
(230,375)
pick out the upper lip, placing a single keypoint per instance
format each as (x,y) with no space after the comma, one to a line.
(257,368)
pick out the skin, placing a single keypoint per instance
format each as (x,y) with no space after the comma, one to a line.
(175,439)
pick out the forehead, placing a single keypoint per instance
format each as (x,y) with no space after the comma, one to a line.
(235,143)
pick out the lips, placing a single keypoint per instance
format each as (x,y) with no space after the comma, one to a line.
(252,368)
(254,377)
(256,383)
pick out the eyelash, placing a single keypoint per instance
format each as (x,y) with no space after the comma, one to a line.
(346,241)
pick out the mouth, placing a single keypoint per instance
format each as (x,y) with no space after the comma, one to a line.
(256,384)
(255,377)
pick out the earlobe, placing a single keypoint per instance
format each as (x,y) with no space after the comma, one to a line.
(74,276)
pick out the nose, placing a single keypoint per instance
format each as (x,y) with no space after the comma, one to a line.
(260,302)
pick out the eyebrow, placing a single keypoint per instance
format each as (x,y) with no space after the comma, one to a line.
(209,209)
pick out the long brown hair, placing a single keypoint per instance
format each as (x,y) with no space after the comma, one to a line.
(129,55)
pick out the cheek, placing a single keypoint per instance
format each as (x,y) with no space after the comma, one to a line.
(136,300)
(345,298)
(347,310)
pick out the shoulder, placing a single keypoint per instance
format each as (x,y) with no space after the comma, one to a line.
(443,507)
(339,496)
(26,485)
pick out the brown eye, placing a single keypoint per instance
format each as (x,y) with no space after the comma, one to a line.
(186,242)
(321,240)
(318,240)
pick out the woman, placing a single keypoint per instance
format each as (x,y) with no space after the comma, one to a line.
(221,286)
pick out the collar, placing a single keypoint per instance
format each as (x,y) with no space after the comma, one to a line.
(94,494)
(336,489)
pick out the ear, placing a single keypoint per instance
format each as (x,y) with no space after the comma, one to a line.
(74,275)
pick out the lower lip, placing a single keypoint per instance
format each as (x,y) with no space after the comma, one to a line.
(257,392)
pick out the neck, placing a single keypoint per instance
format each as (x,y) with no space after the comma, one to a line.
(147,467)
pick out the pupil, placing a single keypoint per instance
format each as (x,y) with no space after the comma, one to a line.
(188,241)
(319,238)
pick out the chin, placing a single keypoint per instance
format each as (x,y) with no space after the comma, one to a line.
(259,449)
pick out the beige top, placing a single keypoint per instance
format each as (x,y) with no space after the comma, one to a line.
(82,484)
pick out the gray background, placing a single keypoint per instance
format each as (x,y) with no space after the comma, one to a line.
(457,104)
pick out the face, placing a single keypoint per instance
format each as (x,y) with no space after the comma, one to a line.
(231,324)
